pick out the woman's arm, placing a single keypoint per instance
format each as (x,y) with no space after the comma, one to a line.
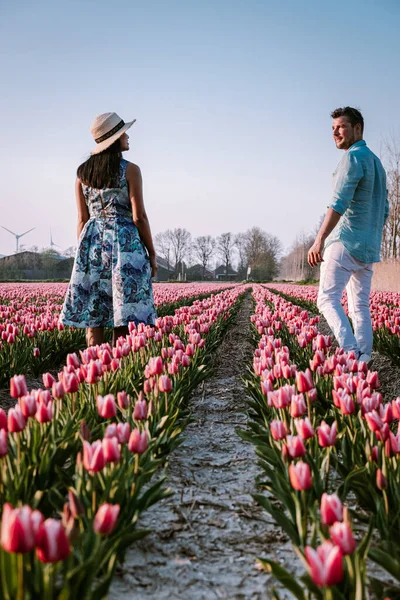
(134,179)
(83,214)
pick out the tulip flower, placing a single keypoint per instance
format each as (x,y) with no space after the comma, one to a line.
(298,406)
(373,380)
(75,504)
(15,419)
(48,380)
(58,390)
(73,361)
(18,386)
(36,352)
(71,384)
(52,543)
(304,428)
(93,456)
(325,564)
(138,442)
(123,432)
(123,400)
(111,449)
(278,430)
(155,366)
(374,421)
(140,410)
(18,528)
(3,419)
(164,383)
(106,406)
(304,381)
(326,434)
(331,509)
(44,413)
(111,430)
(347,405)
(300,476)
(106,518)
(295,446)
(342,536)
(381,481)
(3,443)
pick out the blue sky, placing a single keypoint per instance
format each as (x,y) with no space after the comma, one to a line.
(232,101)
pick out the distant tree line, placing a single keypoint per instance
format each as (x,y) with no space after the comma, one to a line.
(254,250)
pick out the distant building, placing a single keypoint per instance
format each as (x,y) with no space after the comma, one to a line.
(221,274)
(198,273)
(164,270)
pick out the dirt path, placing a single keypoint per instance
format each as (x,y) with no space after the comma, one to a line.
(207,536)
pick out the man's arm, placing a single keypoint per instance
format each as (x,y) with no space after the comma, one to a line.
(332,218)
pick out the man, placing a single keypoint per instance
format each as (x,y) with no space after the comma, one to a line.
(351,235)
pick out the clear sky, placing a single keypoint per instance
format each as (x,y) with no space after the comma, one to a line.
(232,100)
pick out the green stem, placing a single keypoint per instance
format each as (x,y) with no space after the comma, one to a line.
(20,569)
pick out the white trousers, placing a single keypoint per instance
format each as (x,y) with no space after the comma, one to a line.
(341,270)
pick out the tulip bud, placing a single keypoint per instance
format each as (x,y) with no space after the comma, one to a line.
(304,381)
(36,352)
(325,564)
(164,383)
(28,405)
(111,449)
(381,481)
(138,442)
(123,432)
(3,443)
(93,456)
(3,419)
(44,413)
(15,419)
(331,509)
(73,361)
(300,476)
(278,430)
(52,543)
(75,504)
(18,528)
(123,400)
(342,536)
(140,410)
(18,386)
(106,406)
(295,446)
(304,428)
(71,384)
(48,380)
(326,434)
(106,518)
(85,431)
(58,390)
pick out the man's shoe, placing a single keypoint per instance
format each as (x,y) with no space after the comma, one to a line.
(365,358)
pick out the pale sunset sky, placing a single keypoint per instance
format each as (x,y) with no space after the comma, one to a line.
(232,100)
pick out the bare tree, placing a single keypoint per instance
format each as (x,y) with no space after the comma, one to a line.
(203,248)
(163,244)
(180,241)
(240,245)
(225,248)
(391,231)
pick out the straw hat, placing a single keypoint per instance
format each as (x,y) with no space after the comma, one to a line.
(106,129)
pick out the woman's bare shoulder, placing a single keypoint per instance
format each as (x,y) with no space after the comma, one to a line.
(132,170)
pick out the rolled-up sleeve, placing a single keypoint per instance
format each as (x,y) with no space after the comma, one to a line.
(346,179)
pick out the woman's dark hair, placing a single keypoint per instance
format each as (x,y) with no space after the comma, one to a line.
(353,115)
(102,170)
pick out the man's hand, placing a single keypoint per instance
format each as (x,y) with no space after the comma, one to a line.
(314,253)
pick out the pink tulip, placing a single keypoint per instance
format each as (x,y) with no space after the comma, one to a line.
(111,449)
(106,518)
(123,400)
(396,408)
(386,412)
(394,443)
(304,381)
(381,481)
(278,430)
(3,419)
(15,419)
(18,386)
(52,543)
(164,383)
(75,504)
(331,509)
(295,446)
(326,434)
(36,352)
(373,380)
(138,442)
(374,421)
(28,405)
(58,390)
(304,428)
(155,365)
(300,476)
(298,406)
(106,406)
(44,414)
(342,536)
(347,405)
(325,564)
(3,443)
(123,432)
(140,411)
(106,357)
(71,384)
(111,430)
(18,528)
(73,361)
(93,456)
(48,380)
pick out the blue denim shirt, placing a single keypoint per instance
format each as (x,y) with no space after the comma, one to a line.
(360,196)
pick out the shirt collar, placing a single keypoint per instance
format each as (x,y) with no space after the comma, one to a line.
(357,144)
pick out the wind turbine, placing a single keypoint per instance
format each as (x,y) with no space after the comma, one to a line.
(17,236)
(52,244)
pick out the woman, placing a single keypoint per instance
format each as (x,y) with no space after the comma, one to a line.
(115,260)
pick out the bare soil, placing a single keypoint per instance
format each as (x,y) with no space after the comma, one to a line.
(207,536)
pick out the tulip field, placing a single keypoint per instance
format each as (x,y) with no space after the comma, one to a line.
(84,455)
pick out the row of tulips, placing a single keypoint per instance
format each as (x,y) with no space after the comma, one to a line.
(33,340)
(82,457)
(324,436)
(385,313)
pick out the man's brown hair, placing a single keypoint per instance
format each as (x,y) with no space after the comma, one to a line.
(353,114)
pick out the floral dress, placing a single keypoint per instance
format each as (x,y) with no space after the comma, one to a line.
(111,277)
